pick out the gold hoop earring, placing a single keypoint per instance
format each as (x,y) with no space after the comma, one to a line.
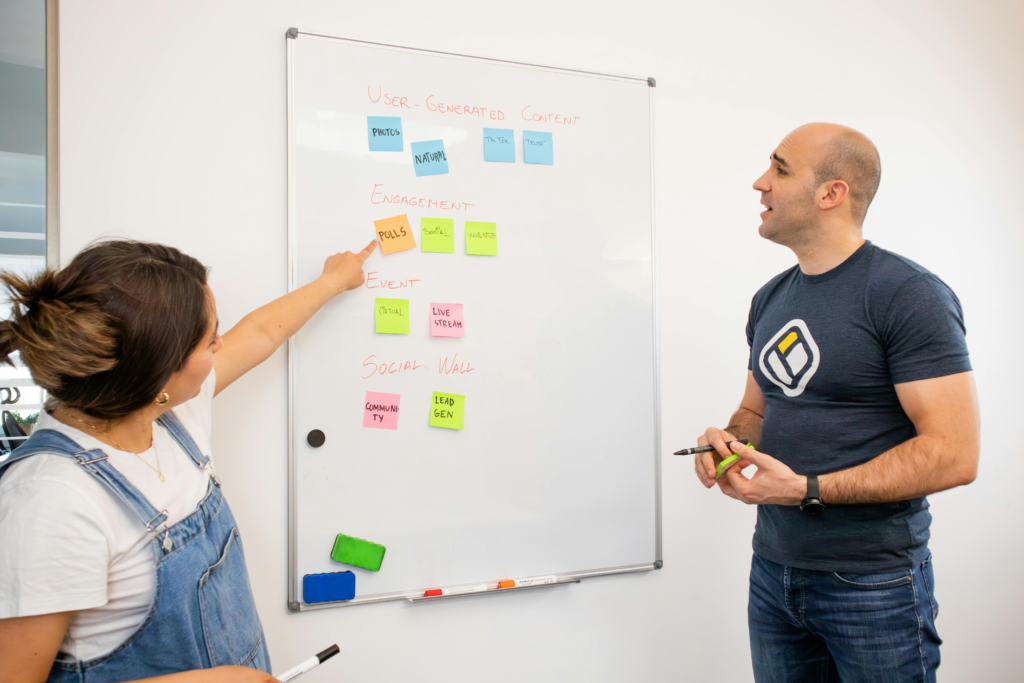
(163,400)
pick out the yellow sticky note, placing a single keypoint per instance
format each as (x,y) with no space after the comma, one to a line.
(481,238)
(392,316)
(394,234)
(438,235)
(446,410)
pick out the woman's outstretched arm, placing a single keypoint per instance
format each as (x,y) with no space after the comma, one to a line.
(259,334)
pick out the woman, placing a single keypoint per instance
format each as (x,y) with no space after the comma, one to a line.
(119,557)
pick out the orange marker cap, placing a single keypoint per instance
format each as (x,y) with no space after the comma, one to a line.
(507,584)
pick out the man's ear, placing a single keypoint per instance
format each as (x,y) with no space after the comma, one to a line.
(832,193)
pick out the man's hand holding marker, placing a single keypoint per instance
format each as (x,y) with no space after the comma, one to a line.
(706,463)
(772,484)
(721,457)
(709,461)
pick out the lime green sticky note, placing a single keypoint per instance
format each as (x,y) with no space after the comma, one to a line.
(392,316)
(481,238)
(438,235)
(446,410)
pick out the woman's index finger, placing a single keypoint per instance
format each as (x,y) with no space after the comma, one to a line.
(365,253)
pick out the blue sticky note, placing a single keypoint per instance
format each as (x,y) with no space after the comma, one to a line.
(537,148)
(429,158)
(499,144)
(385,133)
(328,587)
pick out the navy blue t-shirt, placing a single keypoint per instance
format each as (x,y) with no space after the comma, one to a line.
(826,351)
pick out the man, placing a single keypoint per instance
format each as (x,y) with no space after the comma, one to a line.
(860,402)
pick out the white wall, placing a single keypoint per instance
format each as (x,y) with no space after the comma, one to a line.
(173,129)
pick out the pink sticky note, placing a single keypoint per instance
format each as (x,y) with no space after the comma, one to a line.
(381,410)
(446,320)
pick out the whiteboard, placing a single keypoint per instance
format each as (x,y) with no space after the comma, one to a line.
(556,470)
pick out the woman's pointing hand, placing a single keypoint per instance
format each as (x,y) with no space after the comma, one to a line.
(345,271)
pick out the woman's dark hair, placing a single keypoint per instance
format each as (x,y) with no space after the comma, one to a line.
(105,334)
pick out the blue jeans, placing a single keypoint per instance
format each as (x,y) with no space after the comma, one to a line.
(825,626)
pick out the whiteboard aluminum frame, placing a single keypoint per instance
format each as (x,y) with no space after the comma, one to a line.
(294,589)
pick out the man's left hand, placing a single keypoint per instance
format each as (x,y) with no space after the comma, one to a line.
(773,483)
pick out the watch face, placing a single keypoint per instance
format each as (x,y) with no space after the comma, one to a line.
(812,506)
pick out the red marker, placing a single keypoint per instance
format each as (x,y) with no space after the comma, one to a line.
(457,590)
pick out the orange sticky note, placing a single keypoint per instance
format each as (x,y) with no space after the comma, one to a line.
(394,234)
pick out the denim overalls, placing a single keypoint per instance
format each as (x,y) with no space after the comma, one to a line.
(203,613)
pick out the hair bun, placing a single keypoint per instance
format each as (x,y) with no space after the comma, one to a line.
(106,333)
(59,327)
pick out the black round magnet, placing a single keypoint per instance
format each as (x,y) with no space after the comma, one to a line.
(316,438)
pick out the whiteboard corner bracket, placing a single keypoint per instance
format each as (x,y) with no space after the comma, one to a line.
(650,79)
(294,33)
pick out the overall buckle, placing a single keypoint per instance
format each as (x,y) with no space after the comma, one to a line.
(167,543)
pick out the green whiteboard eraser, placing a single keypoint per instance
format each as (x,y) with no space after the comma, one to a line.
(357,552)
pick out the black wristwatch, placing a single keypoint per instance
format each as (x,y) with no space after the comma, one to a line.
(812,503)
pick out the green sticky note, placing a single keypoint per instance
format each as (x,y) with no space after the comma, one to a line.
(481,238)
(446,410)
(357,552)
(392,316)
(437,235)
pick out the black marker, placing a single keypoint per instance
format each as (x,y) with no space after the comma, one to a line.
(308,665)
(722,466)
(705,449)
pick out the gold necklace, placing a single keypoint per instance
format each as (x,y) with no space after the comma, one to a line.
(119,447)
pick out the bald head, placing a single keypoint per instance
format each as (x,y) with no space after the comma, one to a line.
(820,182)
(841,153)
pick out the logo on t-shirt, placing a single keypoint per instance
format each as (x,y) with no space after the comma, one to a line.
(791,358)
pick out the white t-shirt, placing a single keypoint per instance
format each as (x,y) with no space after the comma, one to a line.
(67,543)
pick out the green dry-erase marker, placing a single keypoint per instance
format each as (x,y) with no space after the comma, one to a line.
(722,466)
(729,462)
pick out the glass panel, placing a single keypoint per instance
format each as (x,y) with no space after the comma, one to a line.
(22,185)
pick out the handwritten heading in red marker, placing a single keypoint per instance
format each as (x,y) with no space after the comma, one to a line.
(455,105)
(379,196)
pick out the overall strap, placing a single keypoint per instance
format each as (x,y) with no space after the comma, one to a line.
(181,436)
(41,441)
(95,463)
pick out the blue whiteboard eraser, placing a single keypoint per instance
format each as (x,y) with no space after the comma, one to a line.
(328,587)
